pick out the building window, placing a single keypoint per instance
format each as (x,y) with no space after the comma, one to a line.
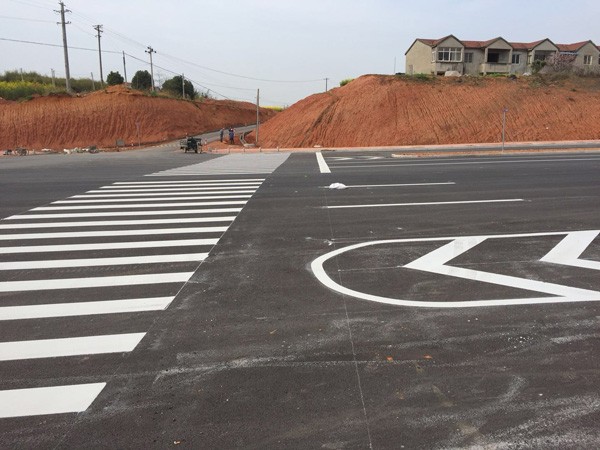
(587,60)
(469,57)
(449,54)
(516,59)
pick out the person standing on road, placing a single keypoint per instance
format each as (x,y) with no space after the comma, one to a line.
(221,133)
(231,135)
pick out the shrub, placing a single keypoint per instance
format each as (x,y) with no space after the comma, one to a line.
(114,78)
(18,90)
(346,81)
(141,80)
(173,87)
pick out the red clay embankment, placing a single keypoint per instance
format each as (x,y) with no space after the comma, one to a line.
(102,117)
(378,110)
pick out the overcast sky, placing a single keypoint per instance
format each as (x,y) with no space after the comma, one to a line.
(296,44)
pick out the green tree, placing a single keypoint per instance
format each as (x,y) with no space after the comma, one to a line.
(141,80)
(114,78)
(173,86)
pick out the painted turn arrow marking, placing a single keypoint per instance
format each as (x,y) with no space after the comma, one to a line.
(567,252)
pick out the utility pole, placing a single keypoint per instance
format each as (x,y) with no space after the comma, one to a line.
(22,79)
(504,111)
(53,80)
(183,86)
(93,84)
(326,83)
(66,51)
(124,67)
(394,66)
(98,28)
(257,114)
(150,51)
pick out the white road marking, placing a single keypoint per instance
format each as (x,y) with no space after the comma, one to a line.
(151,199)
(135,205)
(107,246)
(169,188)
(84,308)
(391,185)
(85,234)
(353,166)
(173,212)
(102,262)
(53,348)
(565,294)
(102,223)
(435,262)
(323,167)
(92,282)
(133,183)
(203,191)
(569,250)
(465,202)
(48,400)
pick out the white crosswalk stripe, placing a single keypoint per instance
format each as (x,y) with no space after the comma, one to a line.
(94,248)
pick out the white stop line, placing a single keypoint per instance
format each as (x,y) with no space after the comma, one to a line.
(566,253)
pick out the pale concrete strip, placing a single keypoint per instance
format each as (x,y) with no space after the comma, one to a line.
(379,205)
(106,246)
(323,167)
(48,400)
(53,348)
(173,212)
(151,199)
(108,223)
(133,305)
(234,164)
(102,262)
(86,234)
(133,183)
(81,283)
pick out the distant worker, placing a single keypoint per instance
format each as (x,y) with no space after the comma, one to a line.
(221,133)
(231,135)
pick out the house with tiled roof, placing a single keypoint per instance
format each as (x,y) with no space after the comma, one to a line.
(437,56)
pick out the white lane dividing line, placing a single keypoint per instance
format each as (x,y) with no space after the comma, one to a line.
(108,223)
(85,234)
(392,185)
(506,200)
(350,166)
(103,262)
(107,246)
(151,199)
(135,205)
(569,250)
(173,212)
(212,191)
(48,400)
(82,283)
(84,308)
(323,167)
(133,183)
(53,348)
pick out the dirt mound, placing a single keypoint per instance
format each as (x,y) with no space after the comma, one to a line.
(387,110)
(103,117)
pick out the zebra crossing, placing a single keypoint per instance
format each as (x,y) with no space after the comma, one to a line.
(83,256)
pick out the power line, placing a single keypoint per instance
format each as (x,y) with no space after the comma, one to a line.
(25,19)
(57,45)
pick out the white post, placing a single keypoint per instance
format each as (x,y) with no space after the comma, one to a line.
(504,111)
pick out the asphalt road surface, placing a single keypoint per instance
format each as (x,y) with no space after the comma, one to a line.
(157,299)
